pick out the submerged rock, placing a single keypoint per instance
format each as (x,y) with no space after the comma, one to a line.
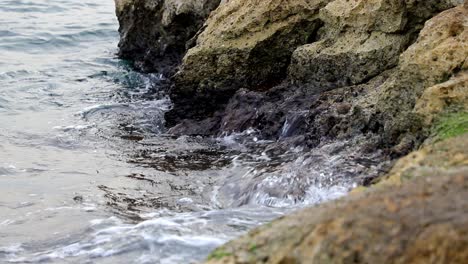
(155,34)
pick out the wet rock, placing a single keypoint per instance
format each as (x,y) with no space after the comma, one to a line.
(154,33)
(78,199)
(245,44)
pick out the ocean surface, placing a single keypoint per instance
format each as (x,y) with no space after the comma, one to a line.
(87,174)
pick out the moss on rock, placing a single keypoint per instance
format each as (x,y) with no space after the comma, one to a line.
(451,125)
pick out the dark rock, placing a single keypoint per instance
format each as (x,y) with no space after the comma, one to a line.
(154,34)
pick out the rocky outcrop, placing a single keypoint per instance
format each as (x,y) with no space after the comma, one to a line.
(257,44)
(414,214)
(361,39)
(388,76)
(439,54)
(246,44)
(155,34)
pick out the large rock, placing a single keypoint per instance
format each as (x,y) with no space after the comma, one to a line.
(323,44)
(360,40)
(396,107)
(246,43)
(439,55)
(418,213)
(155,33)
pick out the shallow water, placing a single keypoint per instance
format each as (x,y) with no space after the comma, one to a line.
(87,174)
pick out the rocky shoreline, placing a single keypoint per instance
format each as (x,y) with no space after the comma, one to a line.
(389,75)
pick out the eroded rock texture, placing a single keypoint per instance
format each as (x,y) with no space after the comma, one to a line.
(355,51)
(246,44)
(155,34)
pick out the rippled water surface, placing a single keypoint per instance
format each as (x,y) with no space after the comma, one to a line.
(87,174)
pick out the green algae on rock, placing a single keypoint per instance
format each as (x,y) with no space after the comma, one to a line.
(451,125)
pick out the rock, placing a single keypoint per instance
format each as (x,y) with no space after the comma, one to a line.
(443,157)
(441,51)
(245,44)
(154,33)
(360,40)
(317,43)
(423,221)
(348,60)
(450,94)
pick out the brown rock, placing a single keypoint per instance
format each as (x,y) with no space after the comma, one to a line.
(360,39)
(346,60)
(449,94)
(246,43)
(442,157)
(440,52)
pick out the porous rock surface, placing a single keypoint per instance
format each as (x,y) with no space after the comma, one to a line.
(323,44)
(393,108)
(246,43)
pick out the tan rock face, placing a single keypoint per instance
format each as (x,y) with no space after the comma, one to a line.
(441,48)
(387,16)
(256,44)
(346,60)
(443,157)
(450,94)
(246,43)
(439,53)
(360,39)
